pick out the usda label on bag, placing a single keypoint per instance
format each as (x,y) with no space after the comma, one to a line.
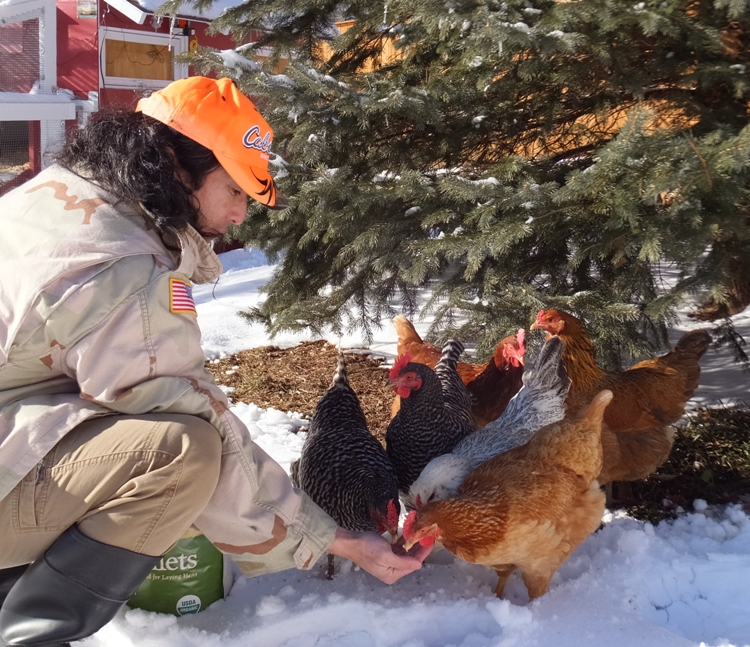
(186,580)
(188,604)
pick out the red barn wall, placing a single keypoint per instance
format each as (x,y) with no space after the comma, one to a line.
(77,50)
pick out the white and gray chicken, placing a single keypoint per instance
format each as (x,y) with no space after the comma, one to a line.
(540,402)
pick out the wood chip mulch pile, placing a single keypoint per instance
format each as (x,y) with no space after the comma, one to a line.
(294,379)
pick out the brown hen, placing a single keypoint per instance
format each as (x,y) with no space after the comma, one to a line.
(492,385)
(649,397)
(528,508)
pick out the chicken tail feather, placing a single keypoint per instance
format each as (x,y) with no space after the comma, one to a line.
(340,377)
(594,412)
(541,400)
(695,342)
(451,352)
(685,355)
(548,371)
(405,330)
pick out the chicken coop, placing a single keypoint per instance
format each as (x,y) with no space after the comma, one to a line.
(33,114)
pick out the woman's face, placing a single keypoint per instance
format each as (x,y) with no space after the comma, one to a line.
(220,203)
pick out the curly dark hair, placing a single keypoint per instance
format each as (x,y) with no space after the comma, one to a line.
(139,159)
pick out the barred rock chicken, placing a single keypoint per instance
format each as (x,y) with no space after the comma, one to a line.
(343,467)
(649,397)
(529,507)
(540,402)
(491,385)
(435,413)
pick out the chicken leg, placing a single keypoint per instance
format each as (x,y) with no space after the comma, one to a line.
(503,572)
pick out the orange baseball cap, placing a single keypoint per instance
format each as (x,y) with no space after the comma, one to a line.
(214,113)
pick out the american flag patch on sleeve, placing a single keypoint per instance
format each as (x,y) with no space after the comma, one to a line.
(181,297)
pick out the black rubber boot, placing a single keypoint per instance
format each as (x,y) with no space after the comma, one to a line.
(8,577)
(71,592)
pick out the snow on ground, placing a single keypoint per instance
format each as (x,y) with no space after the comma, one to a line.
(678,584)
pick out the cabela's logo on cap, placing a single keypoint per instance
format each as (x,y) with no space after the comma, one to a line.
(252,139)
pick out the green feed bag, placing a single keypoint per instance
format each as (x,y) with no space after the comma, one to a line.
(186,580)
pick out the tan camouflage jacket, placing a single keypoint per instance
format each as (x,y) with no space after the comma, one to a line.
(96,319)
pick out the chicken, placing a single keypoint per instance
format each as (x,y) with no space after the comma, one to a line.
(529,507)
(540,402)
(343,467)
(491,385)
(649,397)
(435,413)
(499,381)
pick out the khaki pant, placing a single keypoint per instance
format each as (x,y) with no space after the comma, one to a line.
(136,482)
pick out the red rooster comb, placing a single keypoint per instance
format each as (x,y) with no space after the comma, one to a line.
(521,340)
(408,532)
(539,316)
(401,361)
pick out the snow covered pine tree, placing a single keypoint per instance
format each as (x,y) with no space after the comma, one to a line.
(516,155)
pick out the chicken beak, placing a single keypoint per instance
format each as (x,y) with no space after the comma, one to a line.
(534,326)
(409,543)
(521,360)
